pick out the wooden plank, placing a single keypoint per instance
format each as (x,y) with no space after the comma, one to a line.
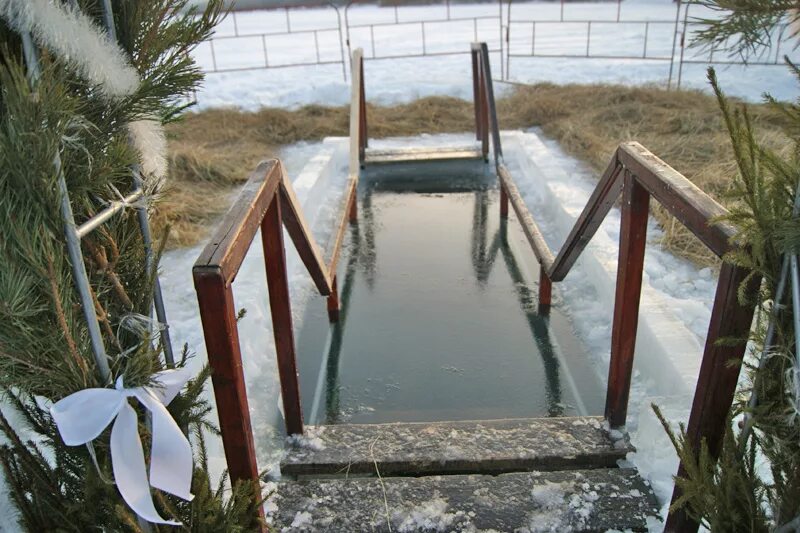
(529,227)
(719,373)
(487,447)
(593,500)
(301,236)
(421,154)
(605,194)
(218,316)
(281,311)
(682,198)
(632,243)
(233,236)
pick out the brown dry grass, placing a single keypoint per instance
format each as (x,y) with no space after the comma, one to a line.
(212,151)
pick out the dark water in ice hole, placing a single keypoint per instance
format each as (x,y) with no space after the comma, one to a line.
(439,317)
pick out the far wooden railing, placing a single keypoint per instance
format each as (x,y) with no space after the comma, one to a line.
(483,95)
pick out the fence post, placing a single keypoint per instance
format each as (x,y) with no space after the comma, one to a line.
(281,311)
(719,374)
(218,316)
(632,241)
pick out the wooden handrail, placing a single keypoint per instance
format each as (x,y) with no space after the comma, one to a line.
(267,201)
(486,124)
(637,175)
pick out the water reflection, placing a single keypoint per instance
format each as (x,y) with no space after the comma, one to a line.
(362,261)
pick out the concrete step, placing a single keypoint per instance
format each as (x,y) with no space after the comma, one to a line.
(577,500)
(480,447)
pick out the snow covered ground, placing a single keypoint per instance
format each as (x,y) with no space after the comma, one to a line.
(391,81)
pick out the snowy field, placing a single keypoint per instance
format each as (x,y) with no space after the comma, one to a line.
(390,81)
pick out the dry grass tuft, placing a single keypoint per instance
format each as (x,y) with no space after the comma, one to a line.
(212,151)
(684,128)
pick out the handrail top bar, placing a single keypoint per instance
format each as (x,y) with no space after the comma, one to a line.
(695,209)
(228,246)
(683,199)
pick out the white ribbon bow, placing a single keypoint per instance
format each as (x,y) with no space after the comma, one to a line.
(82,416)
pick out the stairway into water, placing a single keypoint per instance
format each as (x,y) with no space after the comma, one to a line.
(447,399)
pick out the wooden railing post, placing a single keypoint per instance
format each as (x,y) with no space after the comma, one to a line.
(218,316)
(362,130)
(503,202)
(281,311)
(484,118)
(333,303)
(719,374)
(545,288)
(633,238)
(476,92)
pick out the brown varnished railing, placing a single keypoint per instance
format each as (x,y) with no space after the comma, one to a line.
(268,202)
(637,175)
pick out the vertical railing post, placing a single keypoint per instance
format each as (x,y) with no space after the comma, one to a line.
(333,302)
(719,374)
(218,317)
(545,288)
(362,126)
(476,93)
(633,238)
(484,108)
(503,202)
(353,212)
(281,311)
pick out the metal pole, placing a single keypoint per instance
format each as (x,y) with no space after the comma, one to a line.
(674,43)
(71,234)
(588,36)
(500,28)
(683,44)
(508,40)
(646,32)
(341,41)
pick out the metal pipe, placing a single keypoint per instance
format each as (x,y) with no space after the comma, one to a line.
(70,232)
(674,43)
(683,43)
(114,207)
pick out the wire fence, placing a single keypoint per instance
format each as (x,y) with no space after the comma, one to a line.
(326,34)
